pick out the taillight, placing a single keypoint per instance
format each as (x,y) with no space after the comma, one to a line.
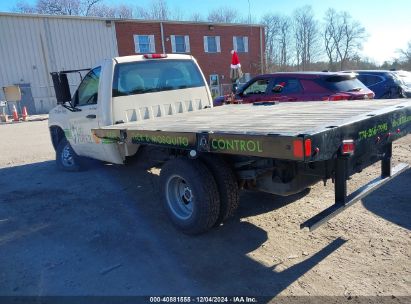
(298,148)
(337,97)
(347,147)
(301,148)
(307,147)
(154,56)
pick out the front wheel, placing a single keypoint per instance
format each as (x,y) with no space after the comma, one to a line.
(66,158)
(190,195)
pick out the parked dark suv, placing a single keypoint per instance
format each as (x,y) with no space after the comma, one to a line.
(299,86)
(387,84)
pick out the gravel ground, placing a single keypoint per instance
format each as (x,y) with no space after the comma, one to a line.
(104,232)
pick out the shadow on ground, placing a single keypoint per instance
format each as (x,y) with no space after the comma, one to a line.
(104,232)
(382,203)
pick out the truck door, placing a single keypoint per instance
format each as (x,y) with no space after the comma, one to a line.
(81,122)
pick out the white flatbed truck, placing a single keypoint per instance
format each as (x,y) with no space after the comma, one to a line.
(162,102)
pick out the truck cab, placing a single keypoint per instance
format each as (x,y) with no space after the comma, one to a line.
(123,90)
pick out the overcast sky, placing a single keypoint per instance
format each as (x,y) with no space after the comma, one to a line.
(388,23)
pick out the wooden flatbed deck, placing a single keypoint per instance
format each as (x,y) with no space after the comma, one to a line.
(277,123)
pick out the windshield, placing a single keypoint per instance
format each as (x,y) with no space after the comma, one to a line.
(155,76)
(344,84)
(404,77)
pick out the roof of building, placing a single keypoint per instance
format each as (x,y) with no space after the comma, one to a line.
(126,20)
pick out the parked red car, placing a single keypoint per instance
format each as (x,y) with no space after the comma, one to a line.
(299,86)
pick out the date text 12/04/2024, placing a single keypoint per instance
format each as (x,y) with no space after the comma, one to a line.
(204,299)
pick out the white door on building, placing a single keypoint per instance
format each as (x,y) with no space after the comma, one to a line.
(215,85)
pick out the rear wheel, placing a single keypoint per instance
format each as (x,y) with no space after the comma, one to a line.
(226,184)
(401,93)
(190,195)
(66,158)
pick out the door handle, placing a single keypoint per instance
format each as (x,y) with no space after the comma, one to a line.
(91,116)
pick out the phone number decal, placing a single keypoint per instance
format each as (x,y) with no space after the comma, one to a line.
(364,134)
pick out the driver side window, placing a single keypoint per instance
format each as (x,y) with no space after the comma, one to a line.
(257,87)
(87,92)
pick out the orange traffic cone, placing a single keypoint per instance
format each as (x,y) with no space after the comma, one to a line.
(24,114)
(15,115)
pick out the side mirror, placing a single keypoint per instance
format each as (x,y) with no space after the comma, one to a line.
(61,87)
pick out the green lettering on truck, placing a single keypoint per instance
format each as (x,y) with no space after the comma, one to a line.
(236,145)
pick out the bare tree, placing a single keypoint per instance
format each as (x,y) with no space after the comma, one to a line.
(88,5)
(223,15)
(57,7)
(306,37)
(332,35)
(124,11)
(353,36)
(284,42)
(157,10)
(196,17)
(343,37)
(102,10)
(251,19)
(278,40)
(404,62)
(177,14)
(272,25)
(406,53)
(24,7)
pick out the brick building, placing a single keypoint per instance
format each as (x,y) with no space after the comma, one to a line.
(209,43)
(33,46)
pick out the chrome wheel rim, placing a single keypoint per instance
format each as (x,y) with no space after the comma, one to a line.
(179,197)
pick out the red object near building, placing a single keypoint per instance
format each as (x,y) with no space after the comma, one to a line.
(209,43)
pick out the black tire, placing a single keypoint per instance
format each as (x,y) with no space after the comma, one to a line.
(227,186)
(190,195)
(66,158)
(401,93)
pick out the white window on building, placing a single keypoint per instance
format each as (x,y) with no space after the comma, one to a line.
(212,44)
(144,44)
(240,44)
(180,44)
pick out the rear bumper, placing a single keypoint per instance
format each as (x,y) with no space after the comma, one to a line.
(360,193)
(342,200)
